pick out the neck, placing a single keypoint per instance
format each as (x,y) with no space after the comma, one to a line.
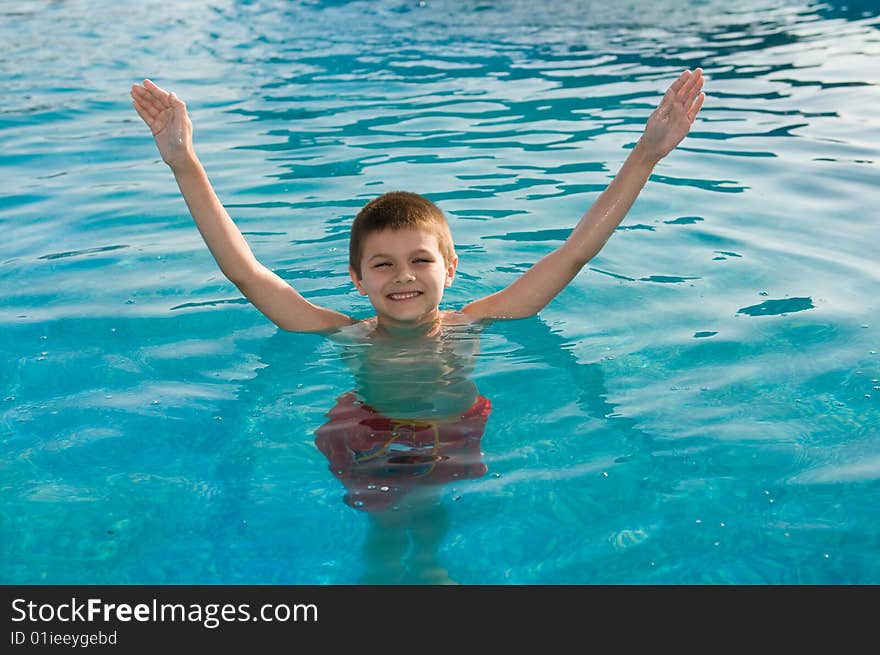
(428,327)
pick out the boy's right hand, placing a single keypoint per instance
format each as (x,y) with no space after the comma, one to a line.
(165,115)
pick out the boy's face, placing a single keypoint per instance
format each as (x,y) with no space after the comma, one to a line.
(404,276)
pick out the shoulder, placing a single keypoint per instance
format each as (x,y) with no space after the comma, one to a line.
(356,332)
(458,317)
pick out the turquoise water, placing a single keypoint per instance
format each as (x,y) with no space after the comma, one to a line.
(699,406)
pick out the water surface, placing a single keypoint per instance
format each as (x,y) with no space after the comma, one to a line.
(698,406)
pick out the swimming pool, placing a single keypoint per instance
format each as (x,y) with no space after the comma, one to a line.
(699,406)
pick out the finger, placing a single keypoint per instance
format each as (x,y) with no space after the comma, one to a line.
(674,88)
(159,94)
(154,88)
(139,92)
(691,88)
(144,109)
(695,107)
(175,101)
(147,99)
(680,82)
(686,91)
(673,94)
(143,113)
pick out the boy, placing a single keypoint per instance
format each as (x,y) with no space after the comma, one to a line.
(416,417)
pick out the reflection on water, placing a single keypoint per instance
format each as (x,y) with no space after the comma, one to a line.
(416,377)
(396,472)
(414,422)
(381,459)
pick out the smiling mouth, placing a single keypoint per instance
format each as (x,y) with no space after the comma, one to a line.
(408,295)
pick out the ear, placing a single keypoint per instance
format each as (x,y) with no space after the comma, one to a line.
(356,280)
(450,271)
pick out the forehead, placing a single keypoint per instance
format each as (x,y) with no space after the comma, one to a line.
(405,240)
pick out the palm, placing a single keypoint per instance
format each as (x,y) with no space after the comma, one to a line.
(165,115)
(672,119)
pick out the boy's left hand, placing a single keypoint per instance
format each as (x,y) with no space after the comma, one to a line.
(672,119)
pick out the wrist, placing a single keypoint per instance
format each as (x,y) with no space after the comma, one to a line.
(643,154)
(186,163)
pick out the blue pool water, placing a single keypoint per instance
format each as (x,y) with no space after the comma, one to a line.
(701,405)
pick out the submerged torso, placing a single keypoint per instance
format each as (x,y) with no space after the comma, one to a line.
(414,375)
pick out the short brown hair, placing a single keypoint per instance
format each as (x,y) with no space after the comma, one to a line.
(398,210)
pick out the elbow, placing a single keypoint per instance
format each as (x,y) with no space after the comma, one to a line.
(573,257)
(242,275)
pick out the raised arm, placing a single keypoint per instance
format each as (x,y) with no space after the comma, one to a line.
(666,127)
(165,114)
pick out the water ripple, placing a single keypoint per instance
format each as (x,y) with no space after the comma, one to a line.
(650,366)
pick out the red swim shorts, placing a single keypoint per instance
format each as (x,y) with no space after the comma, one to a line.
(379,459)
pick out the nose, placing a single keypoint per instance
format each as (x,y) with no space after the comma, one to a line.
(404,275)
